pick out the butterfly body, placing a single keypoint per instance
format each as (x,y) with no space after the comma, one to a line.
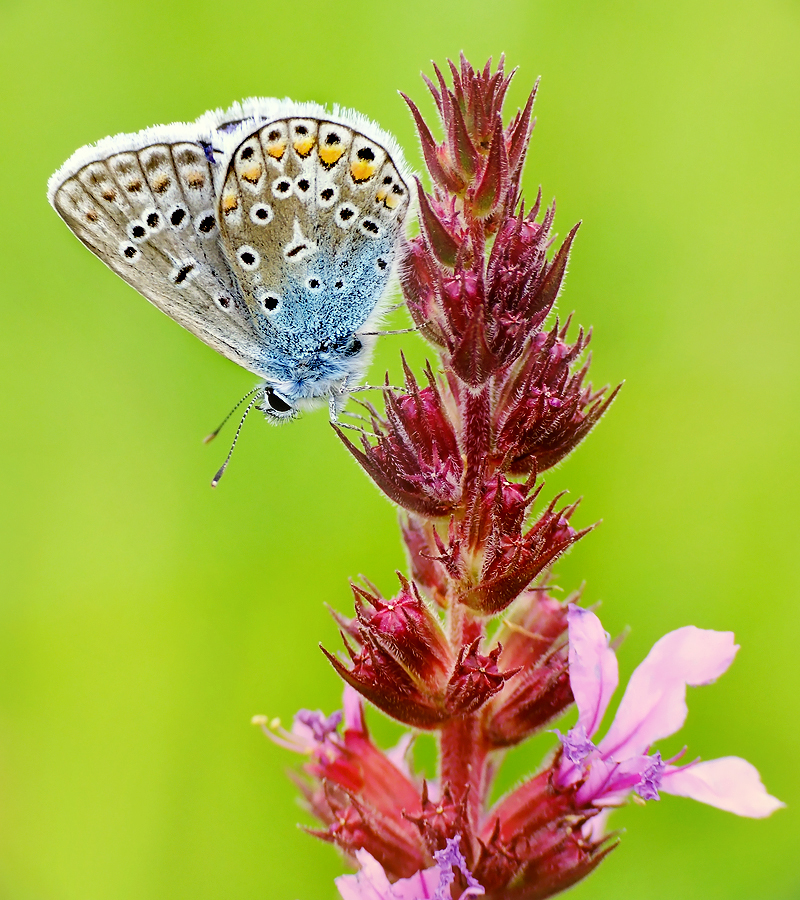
(270,231)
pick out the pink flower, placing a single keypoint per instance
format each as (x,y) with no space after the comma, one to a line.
(434,883)
(653,707)
(363,795)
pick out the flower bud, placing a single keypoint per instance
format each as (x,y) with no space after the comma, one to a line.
(379,678)
(539,694)
(416,459)
(441,817)
(512,558)
(426,568)
(354,826)
(545,410)
(475,679)
(409,632)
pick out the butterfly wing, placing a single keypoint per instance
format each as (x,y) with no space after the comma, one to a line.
(311,210)
(145,205)
(267,230)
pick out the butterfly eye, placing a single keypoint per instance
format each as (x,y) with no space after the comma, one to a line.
(355,347)
(276,404)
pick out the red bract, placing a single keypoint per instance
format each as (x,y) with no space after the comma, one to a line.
(461,452)
(356,826)
(382,680)
(535,641)
(511,556)
(426,570)
(475,679)
(409,632)
(545,410)
(416,460)
(483,317)
(441,817)
(478,159)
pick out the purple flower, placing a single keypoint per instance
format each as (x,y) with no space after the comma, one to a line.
(312,733)
(653,707)
(434,883)
(363,795)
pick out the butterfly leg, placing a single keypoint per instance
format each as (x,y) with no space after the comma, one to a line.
(333,407)
(337,400)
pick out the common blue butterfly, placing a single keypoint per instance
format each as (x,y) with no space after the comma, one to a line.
(270,230)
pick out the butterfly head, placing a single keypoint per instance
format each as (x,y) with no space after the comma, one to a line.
(328,370)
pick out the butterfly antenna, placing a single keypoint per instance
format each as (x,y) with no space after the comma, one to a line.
(221,472)
(210,437)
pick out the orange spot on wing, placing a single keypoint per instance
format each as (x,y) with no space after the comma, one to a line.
(304,146)
(330,154)
(361,170)
(230,202)
(252,173)
(276,149)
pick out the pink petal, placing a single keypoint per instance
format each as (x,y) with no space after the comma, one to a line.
(610,783)
(370,883)
(729,783)
(398,755)
(353,707)
(596,828)
(593,671)
(654,705)
(420,886)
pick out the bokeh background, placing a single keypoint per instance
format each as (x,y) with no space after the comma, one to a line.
(145,618)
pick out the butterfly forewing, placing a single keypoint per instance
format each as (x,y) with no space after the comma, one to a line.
(149,214)
(310,214)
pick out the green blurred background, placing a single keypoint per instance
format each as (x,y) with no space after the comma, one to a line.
(146,618)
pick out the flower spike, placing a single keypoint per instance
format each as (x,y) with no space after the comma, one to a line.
(474,644)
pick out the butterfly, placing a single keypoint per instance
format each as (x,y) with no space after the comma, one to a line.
(270,230)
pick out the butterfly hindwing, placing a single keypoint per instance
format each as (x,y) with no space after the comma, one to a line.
(148,211)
